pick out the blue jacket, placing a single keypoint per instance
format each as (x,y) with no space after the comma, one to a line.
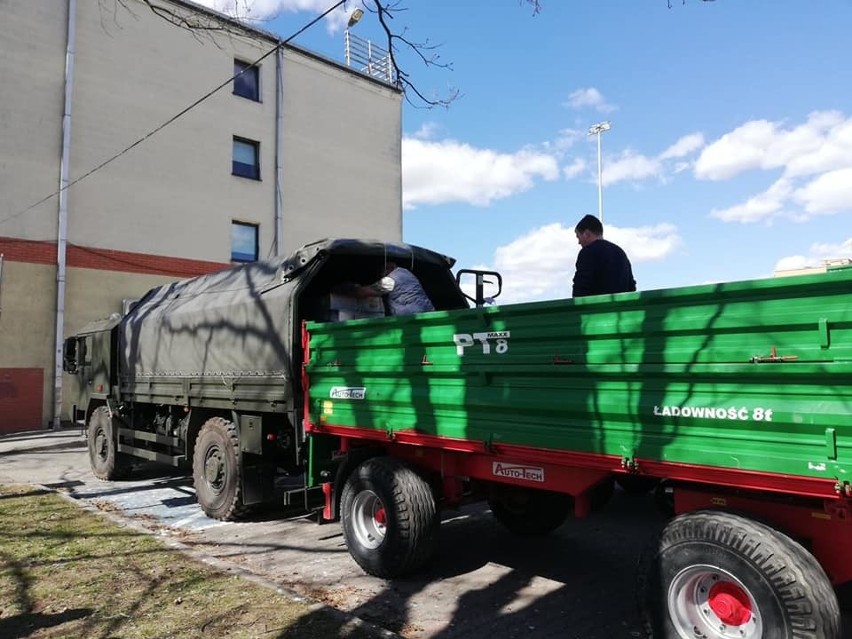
(407,296)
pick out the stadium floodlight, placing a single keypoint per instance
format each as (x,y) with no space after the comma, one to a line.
(597,129)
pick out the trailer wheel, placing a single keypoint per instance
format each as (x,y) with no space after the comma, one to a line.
(528,512)
(216,470)
(105,460)
(390,520)
(721,576)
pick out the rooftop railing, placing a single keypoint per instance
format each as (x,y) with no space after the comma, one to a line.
(369,58)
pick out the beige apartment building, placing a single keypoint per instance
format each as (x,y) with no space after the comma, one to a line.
(297,148)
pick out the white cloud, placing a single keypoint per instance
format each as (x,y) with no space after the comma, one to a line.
(540,264)
(566,139)
(574,169)
(829,193)
(762,206)
(630,165)
(260,10)
(427,131)
(740,150)
(818,253)
(591,97)
(821,143)
(646,243)
(814,159)
(795,262)
(449,171)
(684,146)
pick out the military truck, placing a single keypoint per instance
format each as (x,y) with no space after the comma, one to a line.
(207,372)
(732,400)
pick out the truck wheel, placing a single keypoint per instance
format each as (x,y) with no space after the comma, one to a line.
(719,576)
(105,460)
(390,520)
(216,470)
(530,513)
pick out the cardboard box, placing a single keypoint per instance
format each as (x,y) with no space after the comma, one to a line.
(340,308)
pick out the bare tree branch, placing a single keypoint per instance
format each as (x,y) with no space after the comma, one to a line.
(534,4)
(425,51)
(203,25)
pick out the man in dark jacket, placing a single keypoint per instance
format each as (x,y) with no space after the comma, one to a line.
(404,292)
(602,267)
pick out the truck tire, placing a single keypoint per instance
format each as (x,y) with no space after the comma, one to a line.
(389,516)
(216,470)
(528,512)
(104,458)
(719,575)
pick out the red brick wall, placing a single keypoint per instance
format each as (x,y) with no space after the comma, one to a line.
(21,391)
(16,250)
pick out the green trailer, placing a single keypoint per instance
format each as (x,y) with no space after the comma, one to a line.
(731,401)
(734,399)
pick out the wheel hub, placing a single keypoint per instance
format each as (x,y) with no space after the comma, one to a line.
(369,519)
(381,517)
(730,603)
(711,603)
(213,469)
(101,444)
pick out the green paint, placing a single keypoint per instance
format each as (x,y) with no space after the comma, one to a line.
(725,375)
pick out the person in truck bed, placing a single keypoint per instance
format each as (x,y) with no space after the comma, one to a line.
(602,267)
(402,289)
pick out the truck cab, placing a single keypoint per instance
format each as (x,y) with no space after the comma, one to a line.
(88,357)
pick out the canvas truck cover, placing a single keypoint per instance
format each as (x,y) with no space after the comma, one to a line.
(242,321)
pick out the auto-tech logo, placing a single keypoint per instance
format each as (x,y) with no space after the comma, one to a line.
(517,471)
(347,392)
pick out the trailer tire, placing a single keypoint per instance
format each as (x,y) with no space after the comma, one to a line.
(389,517)
(528,512)
(104,458)
(719,575)
(216,470)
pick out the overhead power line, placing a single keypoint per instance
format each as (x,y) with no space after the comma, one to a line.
(173,118)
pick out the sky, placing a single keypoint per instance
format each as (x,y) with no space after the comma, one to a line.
(729,155)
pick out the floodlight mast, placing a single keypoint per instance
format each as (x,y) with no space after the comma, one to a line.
(597,129)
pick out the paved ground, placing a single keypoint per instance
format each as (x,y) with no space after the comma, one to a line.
(485,583)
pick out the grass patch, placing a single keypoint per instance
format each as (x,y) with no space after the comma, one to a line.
(66,572)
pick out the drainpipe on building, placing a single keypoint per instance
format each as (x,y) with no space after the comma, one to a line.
(279,147)
(62,234)
(1,282)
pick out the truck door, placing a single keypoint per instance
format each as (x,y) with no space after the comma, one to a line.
(83,369)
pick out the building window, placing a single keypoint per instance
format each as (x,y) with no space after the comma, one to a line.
(246,158)
(243,242)
(246,80)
